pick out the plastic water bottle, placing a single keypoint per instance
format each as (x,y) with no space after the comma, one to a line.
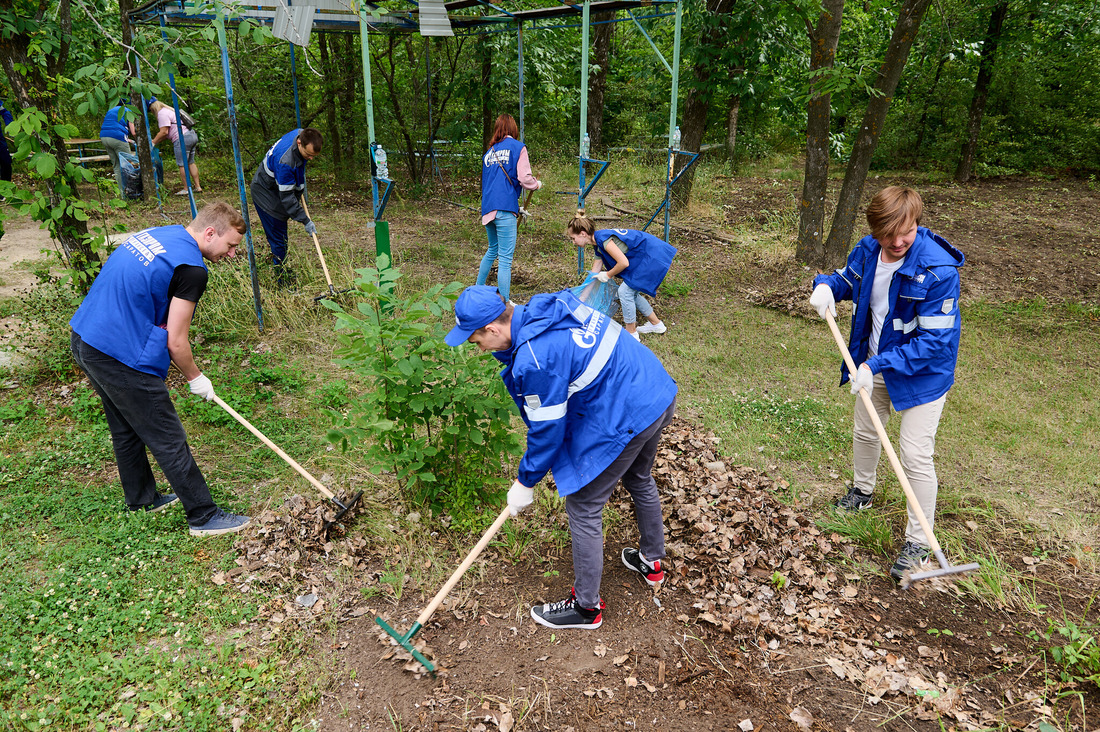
(586,145)
(380,162)
(676,138)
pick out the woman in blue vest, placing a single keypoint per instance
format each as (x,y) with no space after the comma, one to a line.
(505,172)
(641,259)
(115,134)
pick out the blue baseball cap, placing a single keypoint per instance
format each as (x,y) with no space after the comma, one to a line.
(475,308)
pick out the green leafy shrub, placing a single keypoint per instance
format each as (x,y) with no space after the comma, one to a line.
(1079,657)
(438,417)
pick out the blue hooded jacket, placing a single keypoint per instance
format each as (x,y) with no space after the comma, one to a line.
(919,344)
(583,387)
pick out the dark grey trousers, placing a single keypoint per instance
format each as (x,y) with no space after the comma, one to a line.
(140,414)
(585,510)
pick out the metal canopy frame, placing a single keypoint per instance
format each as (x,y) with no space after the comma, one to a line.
(364,18)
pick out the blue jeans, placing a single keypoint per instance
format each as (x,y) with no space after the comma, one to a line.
(585,510)
(632,300)
(140,414)
(502,247)
(275,230)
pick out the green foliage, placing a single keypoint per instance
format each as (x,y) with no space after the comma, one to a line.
(437,417)
(1078,654)
(676,287)
(804,425)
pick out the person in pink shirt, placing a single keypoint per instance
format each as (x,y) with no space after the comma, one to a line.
(505,173)
(170,129)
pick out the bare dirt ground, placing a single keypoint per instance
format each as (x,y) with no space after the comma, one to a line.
(765,622)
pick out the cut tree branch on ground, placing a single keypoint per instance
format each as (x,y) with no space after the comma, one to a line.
(701,232)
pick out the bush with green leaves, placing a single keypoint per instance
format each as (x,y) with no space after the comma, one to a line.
(438,417)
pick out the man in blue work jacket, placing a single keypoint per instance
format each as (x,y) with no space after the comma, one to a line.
(278,187)
(595,402)
(903,281)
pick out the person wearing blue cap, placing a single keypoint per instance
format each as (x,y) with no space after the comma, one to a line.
(568,368)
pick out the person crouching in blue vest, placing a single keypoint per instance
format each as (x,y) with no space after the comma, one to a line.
(641,259)
(277,190)
(570,370)
(135,321)
(903,281)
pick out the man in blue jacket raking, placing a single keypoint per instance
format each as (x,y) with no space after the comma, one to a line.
(903,281)
(595,402)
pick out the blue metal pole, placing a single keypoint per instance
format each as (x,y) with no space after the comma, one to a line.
(148,135)
(179,129)
(232,108)
(294,78)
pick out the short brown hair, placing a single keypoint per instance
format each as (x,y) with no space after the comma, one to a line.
(892,210)
(311,138)
(581,225)
(221,216)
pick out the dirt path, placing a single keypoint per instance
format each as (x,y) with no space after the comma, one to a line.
(23,241)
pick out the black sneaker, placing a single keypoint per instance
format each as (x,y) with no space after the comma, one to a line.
(651,572)
(854,500)
(567,614)
(160,502)
(913,557)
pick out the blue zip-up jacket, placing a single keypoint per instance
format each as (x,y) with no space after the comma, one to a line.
(919,345)
(584,388)
(280,181)
(501,189)
(6,114)
(650,257)
(125,312)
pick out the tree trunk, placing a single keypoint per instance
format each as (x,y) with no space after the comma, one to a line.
(597,85)
(332,73)
(699,100)
(981,91)
(487,118)
(922,126)
(733,110)
(811,214)
(33,86)
(145,160)
(905,32)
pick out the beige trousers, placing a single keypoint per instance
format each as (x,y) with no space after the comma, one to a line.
(917,447)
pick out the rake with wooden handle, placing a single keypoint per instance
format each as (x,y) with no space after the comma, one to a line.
(324,267)
(403,640)
(342,506)
(910,577)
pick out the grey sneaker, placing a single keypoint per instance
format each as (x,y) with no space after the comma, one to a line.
(854,500)
(660,327)
(160,502)
(913,557)
(221,523)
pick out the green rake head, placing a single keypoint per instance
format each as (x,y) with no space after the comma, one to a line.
(403,641)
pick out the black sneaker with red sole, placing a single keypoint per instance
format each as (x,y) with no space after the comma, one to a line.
(567,614)
(651,572)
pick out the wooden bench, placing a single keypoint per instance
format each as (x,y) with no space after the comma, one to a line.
(85,159)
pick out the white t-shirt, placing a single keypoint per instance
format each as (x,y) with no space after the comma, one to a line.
(880,299)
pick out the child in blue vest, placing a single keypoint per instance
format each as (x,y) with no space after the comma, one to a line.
(641,259)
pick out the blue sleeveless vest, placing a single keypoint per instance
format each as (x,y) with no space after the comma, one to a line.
(114,124)
(500,192)
(650,258)
(123,313)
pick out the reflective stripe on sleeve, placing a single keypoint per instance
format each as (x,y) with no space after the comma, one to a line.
(546,414)
(905,327)
(936,322)
(599,358)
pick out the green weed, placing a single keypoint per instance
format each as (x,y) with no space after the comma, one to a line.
(868,529)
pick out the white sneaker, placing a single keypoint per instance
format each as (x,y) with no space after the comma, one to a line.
(635,335)
(660,327)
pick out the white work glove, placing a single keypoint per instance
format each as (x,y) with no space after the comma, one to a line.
(311,228)
(539,185)
(863,379)
(201,386)
(822,299)
(602,276)
(520,497)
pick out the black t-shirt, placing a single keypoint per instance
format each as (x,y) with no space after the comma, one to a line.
(188,283)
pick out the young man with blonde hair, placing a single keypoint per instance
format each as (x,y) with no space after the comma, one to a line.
(903,281)
(134,322)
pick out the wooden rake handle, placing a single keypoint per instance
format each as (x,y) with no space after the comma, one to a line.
(884,439)
(320,255)
(291,461)
(446,589)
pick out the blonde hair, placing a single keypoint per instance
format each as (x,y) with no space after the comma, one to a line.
(221,216)
(581,225)
(892,210)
